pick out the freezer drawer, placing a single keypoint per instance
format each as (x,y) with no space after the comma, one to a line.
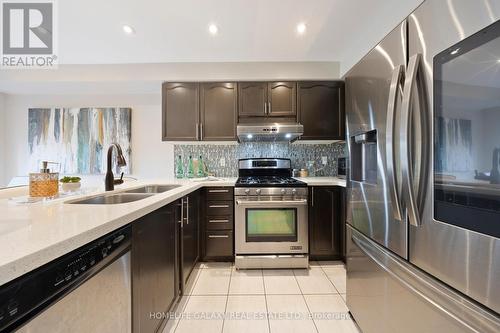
(386,294)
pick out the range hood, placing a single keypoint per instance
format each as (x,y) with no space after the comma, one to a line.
(271,132)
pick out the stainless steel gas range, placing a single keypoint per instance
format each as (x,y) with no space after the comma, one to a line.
(271,224)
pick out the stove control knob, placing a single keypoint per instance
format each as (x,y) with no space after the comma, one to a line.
(283,192)
(294,192)
(258,191)
(247,191)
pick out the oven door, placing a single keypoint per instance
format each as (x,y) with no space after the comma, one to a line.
(271,227)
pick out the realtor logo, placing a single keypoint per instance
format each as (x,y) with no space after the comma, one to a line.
(28,34)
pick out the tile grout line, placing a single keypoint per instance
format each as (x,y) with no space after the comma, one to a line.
(188,296)
(265,300)
(227,297)
(333,284)
(195,280)
(305,301)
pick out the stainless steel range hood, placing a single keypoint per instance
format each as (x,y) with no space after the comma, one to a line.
(272,132)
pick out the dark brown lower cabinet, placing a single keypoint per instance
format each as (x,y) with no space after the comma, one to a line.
(218,226)
(190,231)
(155,284)
(325,238)
(219,244)
(343,217)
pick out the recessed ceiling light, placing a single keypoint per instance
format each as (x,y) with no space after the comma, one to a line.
(301,28)
(213,29)
(498,61)
(455,51)
(249,136)
(128,30)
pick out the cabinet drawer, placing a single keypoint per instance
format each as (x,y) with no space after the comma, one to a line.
(219,243)
(220,222)
(220,193)
(219,208)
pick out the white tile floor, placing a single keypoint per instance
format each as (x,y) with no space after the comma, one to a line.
(221,299)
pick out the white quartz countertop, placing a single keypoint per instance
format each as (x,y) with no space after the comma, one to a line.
(32,235)
(323,181)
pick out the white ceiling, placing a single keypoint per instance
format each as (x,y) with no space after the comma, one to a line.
(169,33)
(90,31)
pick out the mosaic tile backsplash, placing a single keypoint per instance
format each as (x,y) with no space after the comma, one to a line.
(222,160)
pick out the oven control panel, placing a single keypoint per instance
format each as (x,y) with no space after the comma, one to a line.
(271,191)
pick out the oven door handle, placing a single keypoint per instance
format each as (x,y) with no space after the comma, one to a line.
(272,203)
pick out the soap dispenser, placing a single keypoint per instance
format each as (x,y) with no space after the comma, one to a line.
(44,184)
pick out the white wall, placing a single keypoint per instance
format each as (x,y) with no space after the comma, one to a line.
(2,142)
(135,85)
(150,156)
(146,78)
(383,17)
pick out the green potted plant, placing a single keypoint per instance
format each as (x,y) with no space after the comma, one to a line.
(70,184)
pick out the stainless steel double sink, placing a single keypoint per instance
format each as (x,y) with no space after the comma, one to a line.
(127,196)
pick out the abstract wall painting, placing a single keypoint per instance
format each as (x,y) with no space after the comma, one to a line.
(78,138)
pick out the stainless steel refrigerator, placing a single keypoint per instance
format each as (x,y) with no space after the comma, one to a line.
(423,123)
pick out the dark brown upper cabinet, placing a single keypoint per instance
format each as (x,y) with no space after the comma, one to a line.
(281,99)
(180,111)
(252,99)
(267,99)
(219,111)
(199,111)
(210,111)
(320,107)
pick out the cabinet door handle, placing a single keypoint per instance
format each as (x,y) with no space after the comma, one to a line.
(218,191)
(269,110)
(197,126)
(218,221)
(218,206)
(187,210)
(218,236)
(265,108)
(201,131)
(181,222)
(312,196)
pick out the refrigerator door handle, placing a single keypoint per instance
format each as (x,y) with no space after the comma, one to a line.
(397,77)
(415,71)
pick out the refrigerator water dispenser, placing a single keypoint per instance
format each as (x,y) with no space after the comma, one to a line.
(364,157)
